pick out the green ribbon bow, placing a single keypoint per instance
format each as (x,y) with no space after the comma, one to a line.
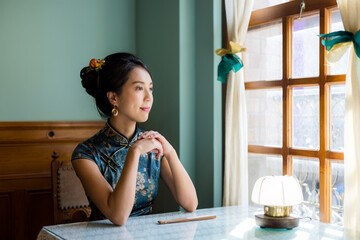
(228,63)
(331,39)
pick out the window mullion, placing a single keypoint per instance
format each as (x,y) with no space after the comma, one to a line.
(324,188)
(287,25)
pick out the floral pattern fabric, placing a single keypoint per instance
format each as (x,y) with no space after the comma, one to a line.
(108,149)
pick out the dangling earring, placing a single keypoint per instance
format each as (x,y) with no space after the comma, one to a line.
(114,111)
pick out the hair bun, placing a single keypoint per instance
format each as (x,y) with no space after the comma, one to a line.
(89,80)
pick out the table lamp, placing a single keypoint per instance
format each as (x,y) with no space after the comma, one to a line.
(278,194)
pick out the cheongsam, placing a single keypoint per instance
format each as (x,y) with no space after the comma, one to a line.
(108,149)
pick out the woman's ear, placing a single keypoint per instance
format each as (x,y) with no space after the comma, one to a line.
(113,98)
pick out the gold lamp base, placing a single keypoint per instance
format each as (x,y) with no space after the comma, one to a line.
(265,221)
(277,211)
(277,217)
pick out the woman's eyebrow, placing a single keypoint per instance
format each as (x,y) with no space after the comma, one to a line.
(141,82)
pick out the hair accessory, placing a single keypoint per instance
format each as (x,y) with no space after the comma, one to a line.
(114,111)
(96,64)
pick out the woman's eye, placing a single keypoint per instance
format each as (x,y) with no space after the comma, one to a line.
(139,88)
(151,89)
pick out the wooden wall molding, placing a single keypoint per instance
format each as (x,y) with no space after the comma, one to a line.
(26,149)
(31,132)
(25,178)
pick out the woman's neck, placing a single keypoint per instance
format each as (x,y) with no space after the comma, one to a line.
(126,128)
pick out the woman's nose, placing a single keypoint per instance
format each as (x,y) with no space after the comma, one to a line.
(148,95)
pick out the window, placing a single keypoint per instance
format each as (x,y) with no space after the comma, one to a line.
(296,102)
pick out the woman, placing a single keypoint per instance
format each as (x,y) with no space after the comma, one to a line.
(119,167)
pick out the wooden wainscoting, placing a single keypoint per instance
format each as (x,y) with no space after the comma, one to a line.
(25,178)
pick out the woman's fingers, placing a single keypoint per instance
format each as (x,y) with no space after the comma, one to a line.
(150,134)
(148,145)
(158,148)
(155,135)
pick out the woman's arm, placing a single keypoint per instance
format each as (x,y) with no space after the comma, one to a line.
(116,205)
(174,175)
(179,182)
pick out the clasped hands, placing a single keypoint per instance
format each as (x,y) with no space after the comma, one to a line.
(152,141)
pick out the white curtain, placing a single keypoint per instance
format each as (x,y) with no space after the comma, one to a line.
(350,15)
(238,14)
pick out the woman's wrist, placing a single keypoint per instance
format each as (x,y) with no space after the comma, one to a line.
(170,154)
(134,150)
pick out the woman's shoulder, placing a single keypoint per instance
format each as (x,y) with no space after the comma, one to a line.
(89,146)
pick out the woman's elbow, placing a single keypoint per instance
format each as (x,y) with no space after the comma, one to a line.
(191,206)
(119,221)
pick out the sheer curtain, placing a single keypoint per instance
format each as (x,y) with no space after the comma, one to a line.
(350,15)
(238,14)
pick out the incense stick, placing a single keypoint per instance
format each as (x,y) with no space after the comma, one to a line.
(186,219)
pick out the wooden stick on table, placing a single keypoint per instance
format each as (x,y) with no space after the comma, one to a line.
(186,219)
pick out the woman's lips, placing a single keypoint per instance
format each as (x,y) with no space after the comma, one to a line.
(146,109)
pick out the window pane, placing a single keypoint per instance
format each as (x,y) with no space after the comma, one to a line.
(263,55)
(259,4)
(337,192)
(306,170)
(305,47)
(264,109)
(262,165)
(305,117)
(339,67)
(337,117)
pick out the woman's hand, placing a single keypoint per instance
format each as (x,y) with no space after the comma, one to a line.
(166,146)
(146,145)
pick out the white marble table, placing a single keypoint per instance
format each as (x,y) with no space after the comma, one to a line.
(230,223)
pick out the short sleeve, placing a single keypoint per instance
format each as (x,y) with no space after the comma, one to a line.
(83,151)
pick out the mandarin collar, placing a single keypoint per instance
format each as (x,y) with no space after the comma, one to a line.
(117,138)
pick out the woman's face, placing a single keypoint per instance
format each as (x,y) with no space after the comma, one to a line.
(135,100)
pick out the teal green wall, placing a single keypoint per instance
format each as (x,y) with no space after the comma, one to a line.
(157,43)
(45,43)
(208,103)
(177,39)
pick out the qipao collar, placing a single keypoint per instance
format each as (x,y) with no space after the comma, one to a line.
(115,138)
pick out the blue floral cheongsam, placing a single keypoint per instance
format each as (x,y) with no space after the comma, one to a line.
(108,149)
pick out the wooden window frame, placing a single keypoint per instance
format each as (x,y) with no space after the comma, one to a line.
(286,12)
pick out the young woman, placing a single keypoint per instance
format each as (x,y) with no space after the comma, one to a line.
(119,167)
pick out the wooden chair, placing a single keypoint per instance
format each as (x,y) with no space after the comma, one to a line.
(69,200)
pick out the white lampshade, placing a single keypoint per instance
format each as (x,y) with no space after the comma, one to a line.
(277,191)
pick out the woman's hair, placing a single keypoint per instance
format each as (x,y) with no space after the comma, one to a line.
(110,77)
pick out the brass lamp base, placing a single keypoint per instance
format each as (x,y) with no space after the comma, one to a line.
(265,221)
(277,211)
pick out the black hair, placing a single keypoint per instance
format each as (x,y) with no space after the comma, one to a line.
(110,78)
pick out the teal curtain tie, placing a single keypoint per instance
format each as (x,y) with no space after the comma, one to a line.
(229,62)
(330,39)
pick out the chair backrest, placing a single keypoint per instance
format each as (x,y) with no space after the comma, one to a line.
(69,200)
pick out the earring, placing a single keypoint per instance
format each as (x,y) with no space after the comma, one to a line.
(114,111)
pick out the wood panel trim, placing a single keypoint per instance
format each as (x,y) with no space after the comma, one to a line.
(25,175)
(51,124)
(36,132)
(26,149)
